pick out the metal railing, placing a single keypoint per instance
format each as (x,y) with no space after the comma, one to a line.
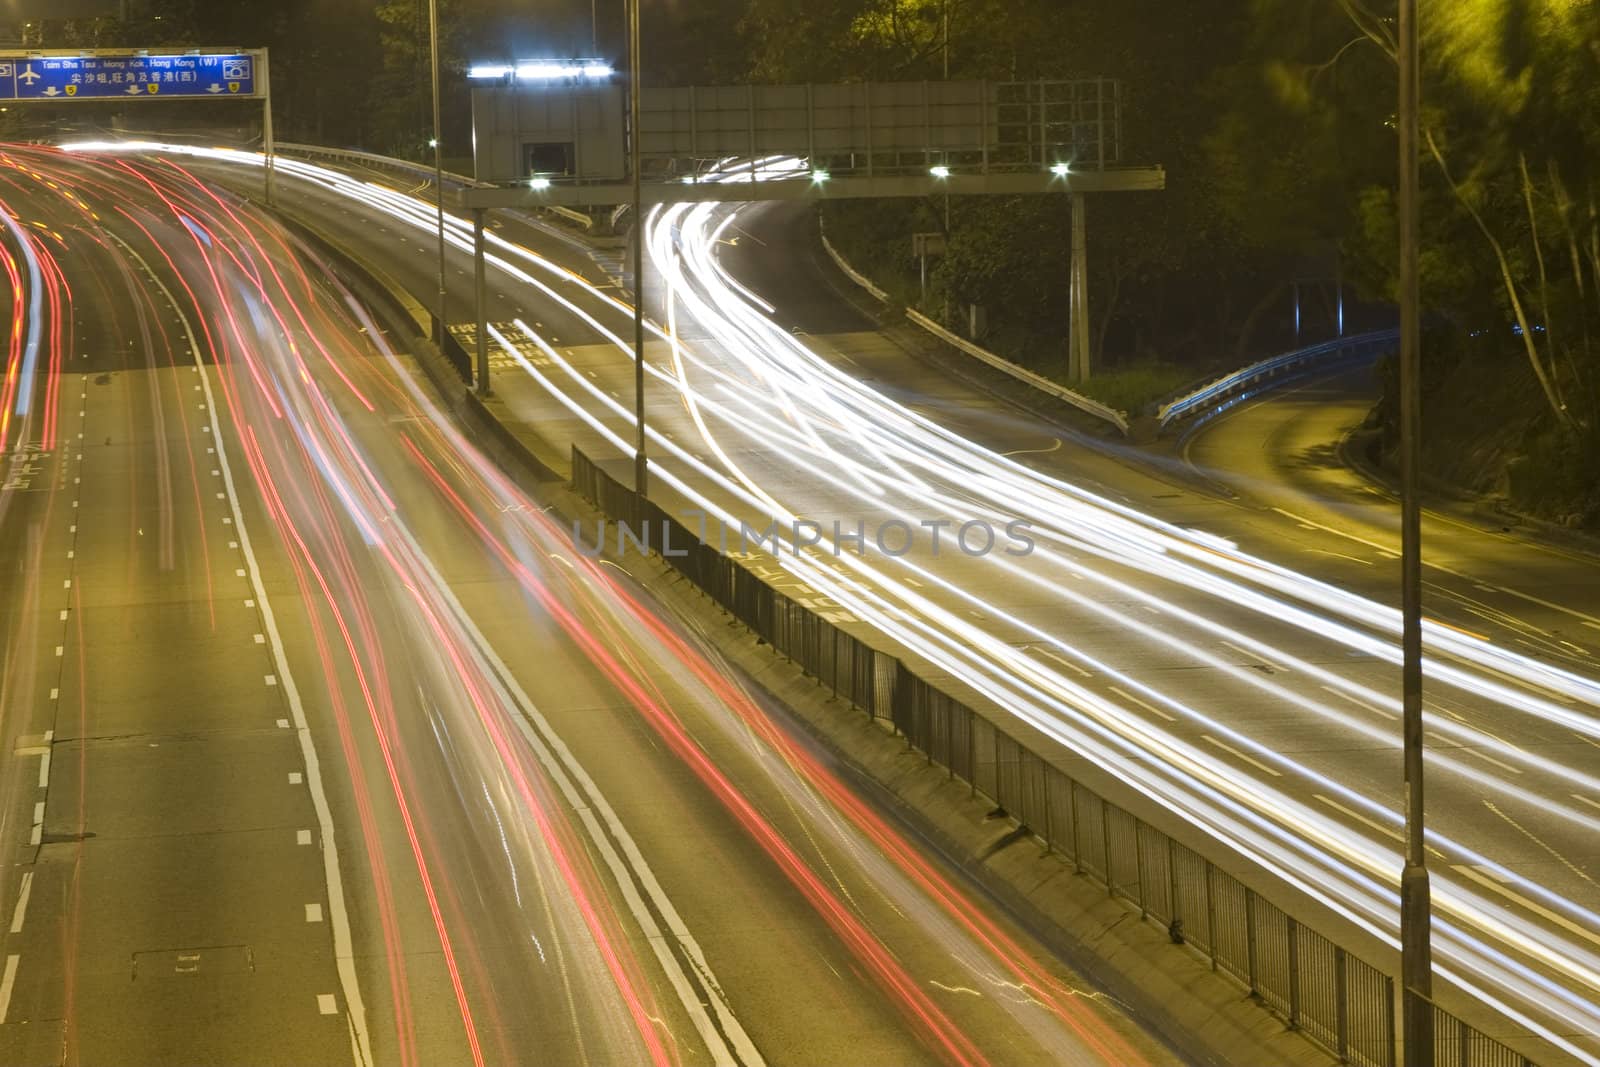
(1201,405)
(1087,405)
(377,162)
(1338,1001)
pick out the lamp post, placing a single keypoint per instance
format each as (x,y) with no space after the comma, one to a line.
(1416,955)
(438,164)
(641,464)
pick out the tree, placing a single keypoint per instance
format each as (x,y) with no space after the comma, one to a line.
(1512,134)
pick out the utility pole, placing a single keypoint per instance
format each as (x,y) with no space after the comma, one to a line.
(944,14)
(438,165)
(1416,952)
(641,464)
(269,148)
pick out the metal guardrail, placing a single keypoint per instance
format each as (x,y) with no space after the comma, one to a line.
(850,272)
(1089,406)
(1212,399)
(371,159)
(1338,1001)
(420,170)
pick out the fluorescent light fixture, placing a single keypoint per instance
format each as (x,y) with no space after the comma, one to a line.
(819,176)
(941,171)
(537,71)
(690,179)
(1061,170)
(542,70)
(539,183)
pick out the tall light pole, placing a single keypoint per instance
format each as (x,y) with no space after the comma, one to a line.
(438,162)
(1416,954)
(944,18)
(641,464)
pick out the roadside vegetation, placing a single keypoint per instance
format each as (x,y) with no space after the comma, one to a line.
(1274,120)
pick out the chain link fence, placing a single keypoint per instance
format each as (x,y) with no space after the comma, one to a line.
(1340,1002)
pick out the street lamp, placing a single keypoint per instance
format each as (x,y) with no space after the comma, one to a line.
(641,464)
(1416,953)
(438,164)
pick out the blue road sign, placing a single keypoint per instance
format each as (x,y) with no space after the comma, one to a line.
(127,76)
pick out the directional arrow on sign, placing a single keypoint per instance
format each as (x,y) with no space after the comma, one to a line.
(133,90)
(215,88)
(52,91)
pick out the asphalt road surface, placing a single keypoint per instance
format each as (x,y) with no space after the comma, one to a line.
(1231,664)
(322,745)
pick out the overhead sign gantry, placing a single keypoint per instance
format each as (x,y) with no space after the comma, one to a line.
(59,76)
(548,135)
(46,76)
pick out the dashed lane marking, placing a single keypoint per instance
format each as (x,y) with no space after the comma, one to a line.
(7,981)
(1248,759)
(20,912)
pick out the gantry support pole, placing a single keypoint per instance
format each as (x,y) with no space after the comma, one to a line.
(1078,301)
(480,301)
(268,145)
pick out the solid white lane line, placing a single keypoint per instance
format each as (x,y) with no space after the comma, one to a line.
(21,911)
(729,1044)
(343,943)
